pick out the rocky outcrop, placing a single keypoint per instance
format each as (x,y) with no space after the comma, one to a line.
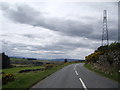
(111,58)
(105,58)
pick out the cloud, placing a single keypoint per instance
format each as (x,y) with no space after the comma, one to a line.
(26,14)
(64,47)
(22,14)
(54,31)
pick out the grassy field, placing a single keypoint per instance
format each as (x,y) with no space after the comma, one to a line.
(18,59)
(114,76)
(27,80)
(25,59)
(16,70)
(21,78)
(24,62)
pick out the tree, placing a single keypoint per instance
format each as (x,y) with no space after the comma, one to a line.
(65,61)
(5,61)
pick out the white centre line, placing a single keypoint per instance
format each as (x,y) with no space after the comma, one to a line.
(75,69)
(83,84)
(76,72)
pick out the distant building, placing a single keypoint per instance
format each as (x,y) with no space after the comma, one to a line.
(5,60)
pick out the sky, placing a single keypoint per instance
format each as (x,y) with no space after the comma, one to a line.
(55,29)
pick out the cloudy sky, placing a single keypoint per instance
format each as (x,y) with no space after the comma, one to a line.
(55,29)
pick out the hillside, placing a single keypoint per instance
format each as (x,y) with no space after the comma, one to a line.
(105,55)
(106,59)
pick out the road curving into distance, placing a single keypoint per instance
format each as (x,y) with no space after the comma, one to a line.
(76,76)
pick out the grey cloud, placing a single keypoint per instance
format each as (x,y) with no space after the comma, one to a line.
(62,46)
(9,49)
(58,53)
(65,46)
(25,14)
(113,34)
(60,49)
(29,35)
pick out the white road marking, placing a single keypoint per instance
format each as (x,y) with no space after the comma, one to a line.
(83,84)
(76,72)
(75,69)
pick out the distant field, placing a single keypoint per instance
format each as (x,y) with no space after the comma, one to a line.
(25,59)
(24,62)
(16,70)
(18,59)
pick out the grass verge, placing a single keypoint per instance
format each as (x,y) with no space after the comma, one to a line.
(114,76)
(27,80)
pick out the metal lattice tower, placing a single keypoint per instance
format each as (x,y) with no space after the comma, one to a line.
(105,40)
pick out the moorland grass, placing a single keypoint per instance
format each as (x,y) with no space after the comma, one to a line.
(27,80)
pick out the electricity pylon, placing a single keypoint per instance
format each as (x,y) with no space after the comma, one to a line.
(105,40)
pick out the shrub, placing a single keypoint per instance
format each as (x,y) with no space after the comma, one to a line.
(93,57)
(7,77)
(29,70)
(104,50)
(114,46)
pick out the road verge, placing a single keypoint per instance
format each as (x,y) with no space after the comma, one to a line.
(113,76)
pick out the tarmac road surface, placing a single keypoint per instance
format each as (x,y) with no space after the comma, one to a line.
(76,76)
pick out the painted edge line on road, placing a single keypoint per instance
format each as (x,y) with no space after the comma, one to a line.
(83,84)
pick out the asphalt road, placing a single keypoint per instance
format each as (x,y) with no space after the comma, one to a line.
(76,76)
